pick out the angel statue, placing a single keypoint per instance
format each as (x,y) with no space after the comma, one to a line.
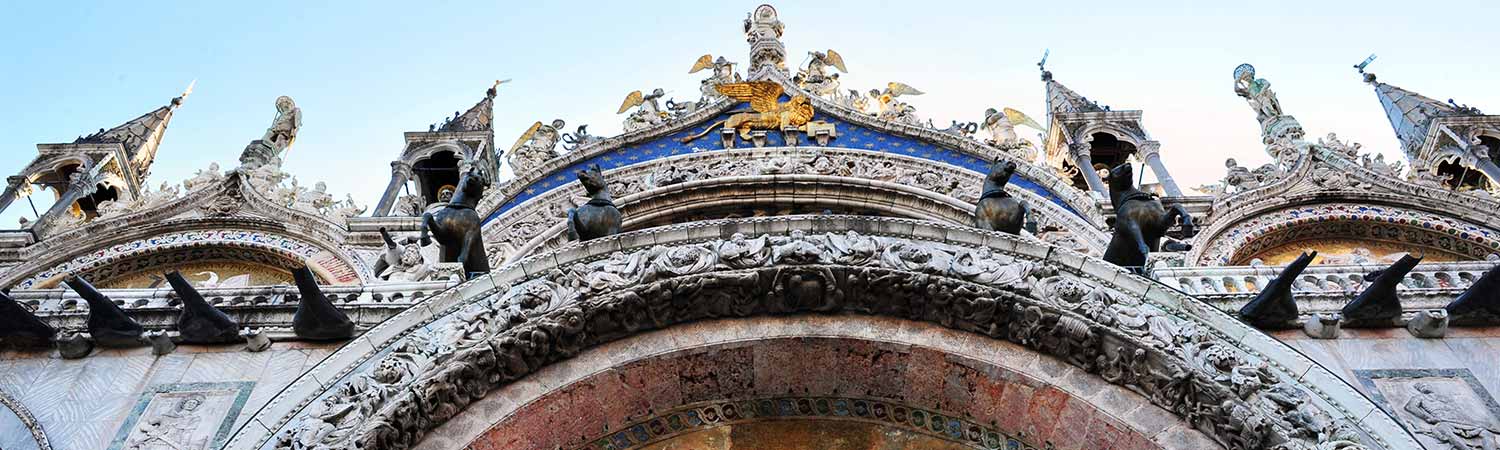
(536,146)
(1257,91)
(766,114)
(815,78)
(1001,126)
(723,74)
(648,115)
(892,109)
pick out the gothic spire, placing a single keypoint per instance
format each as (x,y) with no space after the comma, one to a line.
(1061,100)
(140,136)
(478,117)
(1411,113)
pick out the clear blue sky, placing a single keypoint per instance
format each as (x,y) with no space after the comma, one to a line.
(364,72)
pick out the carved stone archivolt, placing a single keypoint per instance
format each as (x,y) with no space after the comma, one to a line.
(527,226)
(1242,388)
(1330,179)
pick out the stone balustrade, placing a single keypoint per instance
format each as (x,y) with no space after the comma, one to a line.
(1323,288)
(269,307)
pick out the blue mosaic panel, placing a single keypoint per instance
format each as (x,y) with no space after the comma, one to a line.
(850,136)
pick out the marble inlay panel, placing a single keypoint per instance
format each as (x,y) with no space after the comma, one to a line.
(183,416)
(1446,408)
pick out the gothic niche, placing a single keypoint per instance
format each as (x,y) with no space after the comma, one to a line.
(437,177)
(1106,151)
(88,206)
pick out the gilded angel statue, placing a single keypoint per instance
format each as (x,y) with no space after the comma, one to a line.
(723,73)
(892,109)
(648,114)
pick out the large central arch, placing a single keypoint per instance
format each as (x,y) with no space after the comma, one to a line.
(1243,389)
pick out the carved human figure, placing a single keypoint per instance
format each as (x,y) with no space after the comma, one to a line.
(1444,420)
(1238,177)
(174,429)
(403,259)
(1256,91)
(999,127)
(648,111)
(204,177)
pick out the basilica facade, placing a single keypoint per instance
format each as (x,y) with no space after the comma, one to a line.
(780,262)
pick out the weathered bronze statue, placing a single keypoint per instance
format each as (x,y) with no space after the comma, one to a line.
(316,317)
(1379,304)
(19,326)
(1480,302)
(1140,221)
(599,217)
(108,324)
(457,226)
(996,209)
(1274,306)
(200,322)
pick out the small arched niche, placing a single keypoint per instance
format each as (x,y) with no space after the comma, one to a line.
(437,176)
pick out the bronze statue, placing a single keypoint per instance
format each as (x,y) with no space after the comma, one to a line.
(996,209)
(1480,302)
(1140,221)
(200,322)
(1379,304)
(1274,306)
(19,326)
(599,217)
(316,317)
(108,324)
(456,225)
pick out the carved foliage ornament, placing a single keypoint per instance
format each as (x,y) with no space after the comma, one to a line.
(432,375)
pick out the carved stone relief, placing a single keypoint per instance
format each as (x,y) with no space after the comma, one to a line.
(1177,363)
(188,416)
(1446,408)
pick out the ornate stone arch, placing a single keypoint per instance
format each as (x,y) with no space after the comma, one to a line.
(895,185)
(225,240)
(1326,194)
(425,365)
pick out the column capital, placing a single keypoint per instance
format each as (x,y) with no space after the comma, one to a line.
(1150,149)
(402,169)
(1080,150)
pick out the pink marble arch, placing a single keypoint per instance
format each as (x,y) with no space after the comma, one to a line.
(646,391)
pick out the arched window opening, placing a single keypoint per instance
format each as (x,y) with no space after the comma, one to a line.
(1107,151)
(1493,144)
(88,206)
(437,177)
(1460,177)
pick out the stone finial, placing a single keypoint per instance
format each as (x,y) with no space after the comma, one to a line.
(1274,306)
(316,317)
(1379,304)
(19,325)
(1481,302)
(1322,326)
(200,322)
(107,324)
(1432,323)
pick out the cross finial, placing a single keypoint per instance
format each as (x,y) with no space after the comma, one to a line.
(1369,77)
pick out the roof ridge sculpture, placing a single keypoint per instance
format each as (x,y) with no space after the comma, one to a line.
(478,118)
(1062,100)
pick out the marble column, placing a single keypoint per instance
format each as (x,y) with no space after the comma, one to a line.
(1151,152)
(400,173)
(1487,165)
(13,190)
(1083,157)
